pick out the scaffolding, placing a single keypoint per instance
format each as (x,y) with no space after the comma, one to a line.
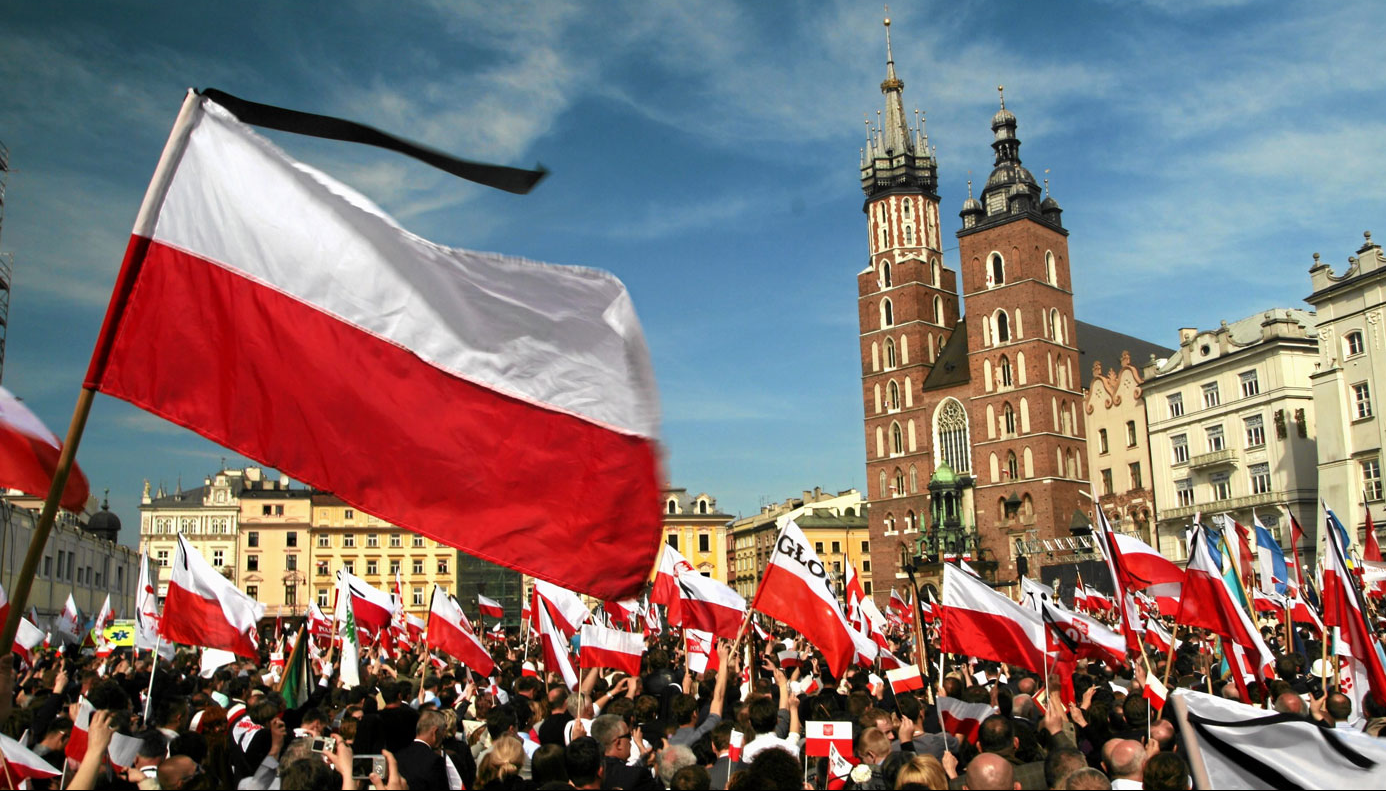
(6,261)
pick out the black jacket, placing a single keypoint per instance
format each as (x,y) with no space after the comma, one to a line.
(421,767)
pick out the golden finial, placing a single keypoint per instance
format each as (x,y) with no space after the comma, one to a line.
(969,186)
(1001,89)
(1046,183)
(890,56)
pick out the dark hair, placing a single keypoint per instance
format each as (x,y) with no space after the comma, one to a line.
(1062,762)
(193,745)
(499,720)
(310,774)
(1135,709)
(1339,706)
(693,778)
(908,706)
(313,715)
(721,735)
(583,760)
(152,744)
(1165,771)
(996,734)
(683,709)
(763,713)
(775,768)
(549,762)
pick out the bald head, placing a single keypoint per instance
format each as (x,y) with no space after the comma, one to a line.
(175,771)
(1289,703)
(989,770)
(1162,733)
(1124,758)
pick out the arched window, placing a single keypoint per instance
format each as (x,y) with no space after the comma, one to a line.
(952,445)
(672,506)
(909,521)
(1049,271)
(885,274)
(1003,327)
(889,518)
(909,234)
(702,506)
(914,479)
(887,314)
(880,443)
(998,270)
(1353,344)
(883,494)
(885,240)
(931,347)
(1008,418)
(897,439)
(899,483)
(938,310)
(905,206)
(889,353)
(1004,371)
(893,395)
(1012,467)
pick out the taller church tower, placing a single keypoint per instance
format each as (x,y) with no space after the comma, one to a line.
(907,309)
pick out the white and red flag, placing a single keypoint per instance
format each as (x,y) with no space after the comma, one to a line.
(666,589)
(70,621)
(611,648)
(820,734)
(1157,638)
(450,632)
(855,595)
(622,612)
(1209,604)
(1155,691)
(734,745)
(795,590)
(1371,552)
(1346,608)
(26,638)
(480,364)
(557,658)
(709,605)
(105,616)
(874,622)
(489,607)
(788,659)
(1083,637)
(963,718)
(905,679)
(565,607)
(839,767)
(76,748)
(146,609)
(899,608)
(29,455)
(22,764)
(698,645)
(979,622)
(372,608)
(318,624)
(1080,597)
(204,608)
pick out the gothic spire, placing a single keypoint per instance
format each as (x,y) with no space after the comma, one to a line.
(895,129)
(896,156)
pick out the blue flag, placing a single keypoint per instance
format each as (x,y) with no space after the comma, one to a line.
(1270,558)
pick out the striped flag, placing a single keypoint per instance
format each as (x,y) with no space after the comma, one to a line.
(611,648)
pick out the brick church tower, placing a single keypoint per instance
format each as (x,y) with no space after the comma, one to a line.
(976,441)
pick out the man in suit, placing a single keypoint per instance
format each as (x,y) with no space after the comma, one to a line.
(724,767)
(614,738)
(419,763)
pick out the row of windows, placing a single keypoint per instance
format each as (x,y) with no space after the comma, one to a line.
(1134,478)
(885,277)
(1250,385)
(66,569)
(1131,438)
(909,225)
(704,542)
(996,269)
(371,567)
(192,524)
(893,360)
(1022,467)
(1253,427)
(672,506)
(372,541)
(1220,485)
(252,538)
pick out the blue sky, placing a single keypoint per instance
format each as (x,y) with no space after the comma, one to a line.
(707,154)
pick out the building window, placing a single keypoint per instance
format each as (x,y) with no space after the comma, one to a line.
(266,510)
(889,353)
(1183,492)
(348,513)
(897,439)
(252,539)
(372,540)
(252,562)
(1222,485)
(865,547)
(161,556)
(1107,481)
(396,541)
(290,595)
(322,597)
(1008,418)
(954,444)
(1215,438)
(348,541)
(291,562)
(1135,468)
(394,566)
(1371,478)
(1260,478)
(417,567)
(1250,384)
(218,558)
(998,270)
(1210,395)
(1130,433)
(418,542)
(1176,405)
(702,506)
(324,541)
(1003,327)
(704,542)
(322,568)
(279,510)
(1004,369)
(818,548)
(885,274)
(887,314)
(253,591)
(1255,431)
(671,507)
(672,540)
(372,568)
(1362,400)
(1102,440)
(1179,443)
(1354,343)
(893,396)
(291,538)
(899,485)
(418,596)
(442,565)
(1012,467)
(349,566)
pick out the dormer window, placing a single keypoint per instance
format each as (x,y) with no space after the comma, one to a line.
(702,508)
(672,506)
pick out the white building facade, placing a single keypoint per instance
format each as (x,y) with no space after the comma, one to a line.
(207,516)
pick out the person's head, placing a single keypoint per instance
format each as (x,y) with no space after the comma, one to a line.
(875,717)
(684,708)
(314,722)
(1165,772)
(1062,762)
(583,761)
(1162,733)
(721,736)
(612,735)
(504,759)
(558,699)
(774,768)
(989,770)
(872,746)
(996,735)
(173,713)
(691,778)
(1027,686)
(311,773)
(671,759)
(1088,779)
(549,763)
(430,728)
(57,735)
(1023,706)
(153,749)
(763,713)
(175,772)
(192,744)
(1338,706)
(924,770)
(1123,758)
(500,720)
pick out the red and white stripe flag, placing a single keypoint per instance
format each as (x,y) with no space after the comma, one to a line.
(979,622)
(839,767)
(76,748)
(29,455)
(709,605)
(482,364)
(795,590)
(1082,637)
(565,607)
(207,609)
(963,718)
(557,659)
(1209,604)
(22,764)
(26,638)
(1156,636)
(489,607)
(821,734)
(1344,607)
(611,648)
(450,632)
(734,745)
(372,608)
(698,644)
(666,589)
(899,608)
(905,679)
(318,625)
(788,658)
(622,612)
(855,595)
(1155,691)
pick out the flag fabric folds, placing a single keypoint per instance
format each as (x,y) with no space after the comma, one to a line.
(978,621)
(819,734)
(1083,637)
(1345,608)
(611,648)
(146,609)
(672,563)
(710,606)
(26,638)
(23,764)
(29,455)
(963,718)
(373,608)
(1270,560)
(297,685)
(555,645)
(480,364)
(204,608)
(565,607)
(489,607)
(1208,603)
(904,679)
(450,632)
(796,591)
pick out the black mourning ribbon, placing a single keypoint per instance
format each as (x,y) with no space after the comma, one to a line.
(268,116)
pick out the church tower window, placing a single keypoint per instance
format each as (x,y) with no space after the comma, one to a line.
(998,270)
(953,445)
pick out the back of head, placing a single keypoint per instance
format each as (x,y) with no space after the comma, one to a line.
(1124,758)
(924,770)
(549,762)
(763,713)
(691,778)
(1062,762)
(996,734)
(499,720)
(310,774)
(1165,772)
(671,759)
(505,758)
(606,729)
(989,771)
(775,768)
(1339,706)
(583,760)
(429,720)
(1087,779)
(1289,703)
(872,746)
(721,735)
(175,771)
(683,709)
(152,745)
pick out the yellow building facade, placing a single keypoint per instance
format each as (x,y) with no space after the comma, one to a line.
(836,525)
(694,526)
(273,544)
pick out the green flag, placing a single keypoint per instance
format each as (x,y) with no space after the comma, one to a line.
(296,686)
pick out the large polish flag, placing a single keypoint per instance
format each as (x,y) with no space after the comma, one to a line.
(795,590)
(482,368)
(557,659)
(672,563)
(1346,608)
(710,606)
(29,455)
(1208,604)
(204,608)
(978,621)
(23,764)
(611,648)
(565,607)
(449,632)
(373,608)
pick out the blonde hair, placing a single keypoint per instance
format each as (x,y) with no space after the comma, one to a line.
(504,759)
(925,770)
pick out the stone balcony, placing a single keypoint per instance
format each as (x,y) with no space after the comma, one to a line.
(1216,458)
(1218,506)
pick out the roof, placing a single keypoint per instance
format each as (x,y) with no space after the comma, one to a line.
(1105,346)
(1248,331)
(951,367)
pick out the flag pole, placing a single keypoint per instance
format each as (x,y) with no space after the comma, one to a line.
(153,665)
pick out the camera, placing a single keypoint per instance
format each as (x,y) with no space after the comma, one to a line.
(363,765)
(324,744)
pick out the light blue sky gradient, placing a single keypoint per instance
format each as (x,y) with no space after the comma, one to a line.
(707,154)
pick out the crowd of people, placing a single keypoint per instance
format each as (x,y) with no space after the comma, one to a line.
(412,723)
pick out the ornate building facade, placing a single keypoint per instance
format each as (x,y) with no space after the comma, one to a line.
(837,525)
(1119,447)
(974,435)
